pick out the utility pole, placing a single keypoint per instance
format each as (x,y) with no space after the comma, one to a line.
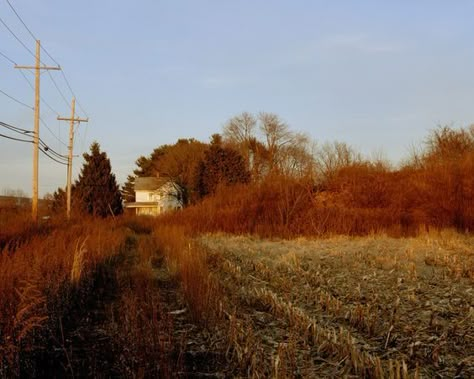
(37,67)
(72,120)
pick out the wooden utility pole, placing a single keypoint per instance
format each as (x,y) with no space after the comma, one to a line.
(72,120)
(37,67)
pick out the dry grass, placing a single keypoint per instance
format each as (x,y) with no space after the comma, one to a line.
(171,304)
(187,260)
(41,278)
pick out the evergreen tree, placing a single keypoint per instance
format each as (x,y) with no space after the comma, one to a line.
(59,201)
(96,191)
(220,166)
(128,189)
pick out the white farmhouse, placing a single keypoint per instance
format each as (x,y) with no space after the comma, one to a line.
(155,195)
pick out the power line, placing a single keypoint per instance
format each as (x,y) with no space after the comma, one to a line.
(49,55)
(27,80)
(16,139)
(60,92)
(52,133)
(7,58)
(16,100)
(29,31)
(41,98)
(24,131)
(15,128)
(42,149)
(17,15)
(73,94)
(49,106)
(17,38)
(46,147)
(50,157)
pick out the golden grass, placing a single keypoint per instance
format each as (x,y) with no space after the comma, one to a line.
(37,278)
(186,259)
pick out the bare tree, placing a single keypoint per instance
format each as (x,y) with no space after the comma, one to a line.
(239,133)
(333,156)
(296,159)
(276,135)
(276,149)
(240,129)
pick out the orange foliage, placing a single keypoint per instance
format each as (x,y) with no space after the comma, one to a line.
(357,199)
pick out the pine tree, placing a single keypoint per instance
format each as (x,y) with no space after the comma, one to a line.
(220,166)
(59,201)
(96,191)
(128,189)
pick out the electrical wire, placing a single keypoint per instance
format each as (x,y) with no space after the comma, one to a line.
(41,98)
(15,139)
(15,128)
(51,77)
(73,94)
(54,135)
(16,100)
(60,92)
(26,79)
(55,153)
(41,142)
(29,31)
(54,60)
(50,157)
(7,58)
(17,38)
(49,106)
(17,15)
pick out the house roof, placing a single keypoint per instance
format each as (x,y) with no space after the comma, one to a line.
(150,183)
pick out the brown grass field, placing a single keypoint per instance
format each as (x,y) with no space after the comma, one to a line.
(135,297)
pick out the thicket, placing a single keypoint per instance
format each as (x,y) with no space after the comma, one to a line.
(346,194)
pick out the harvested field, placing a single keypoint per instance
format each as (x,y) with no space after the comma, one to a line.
(361,307)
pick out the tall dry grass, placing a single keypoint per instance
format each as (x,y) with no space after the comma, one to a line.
(187,260)
(282,208)
(42,280)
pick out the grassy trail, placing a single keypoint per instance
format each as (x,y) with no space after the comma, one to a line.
(137,324)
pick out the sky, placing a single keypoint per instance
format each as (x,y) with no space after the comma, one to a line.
(378,75)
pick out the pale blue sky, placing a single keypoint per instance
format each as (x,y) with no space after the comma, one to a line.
(375,74)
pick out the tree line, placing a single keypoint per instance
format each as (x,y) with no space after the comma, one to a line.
(288,175)
(248,149)
(316,189)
